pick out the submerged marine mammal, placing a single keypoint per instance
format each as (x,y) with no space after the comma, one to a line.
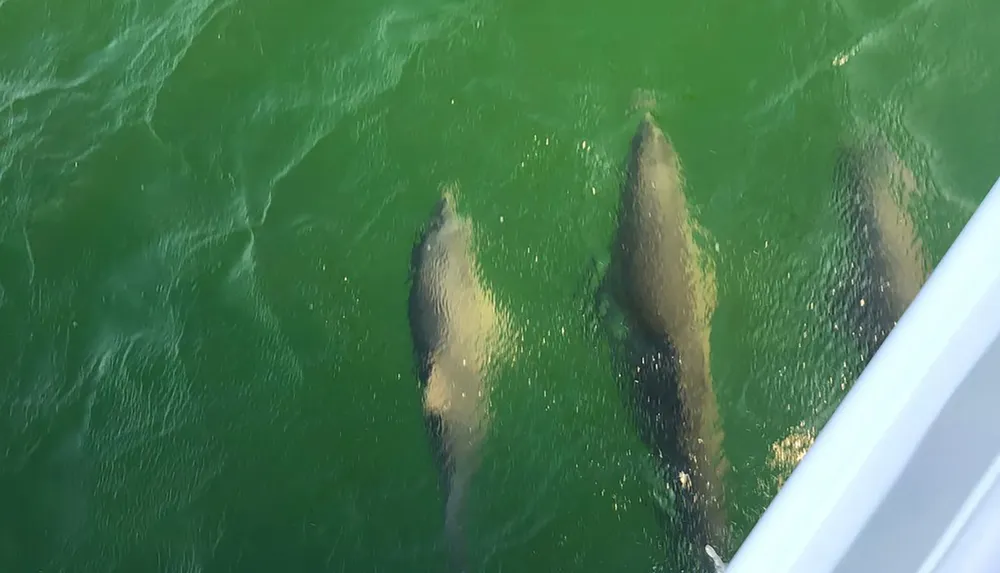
(455,326)
(874,190)
(667,298)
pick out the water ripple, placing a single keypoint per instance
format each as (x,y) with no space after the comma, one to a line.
(117,85)
(323,98)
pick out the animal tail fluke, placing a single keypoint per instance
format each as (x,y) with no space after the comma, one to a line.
(455,528)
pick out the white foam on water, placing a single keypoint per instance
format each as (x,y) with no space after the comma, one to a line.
(717,562)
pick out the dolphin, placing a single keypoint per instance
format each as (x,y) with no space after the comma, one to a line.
(665,296)
(455,325)
(874,194)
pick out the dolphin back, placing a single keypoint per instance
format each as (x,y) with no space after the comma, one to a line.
(874,191)
(667,296)
(454,325)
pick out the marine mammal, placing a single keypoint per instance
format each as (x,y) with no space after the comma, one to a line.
(666,296)
(874,192)
(455,325)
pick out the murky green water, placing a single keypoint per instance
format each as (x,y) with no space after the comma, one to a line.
(206,213)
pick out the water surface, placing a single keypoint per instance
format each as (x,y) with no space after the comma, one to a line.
(206,213)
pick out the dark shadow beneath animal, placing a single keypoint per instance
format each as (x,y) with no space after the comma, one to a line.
(651,391)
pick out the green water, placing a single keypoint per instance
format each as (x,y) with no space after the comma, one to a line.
(206,213)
